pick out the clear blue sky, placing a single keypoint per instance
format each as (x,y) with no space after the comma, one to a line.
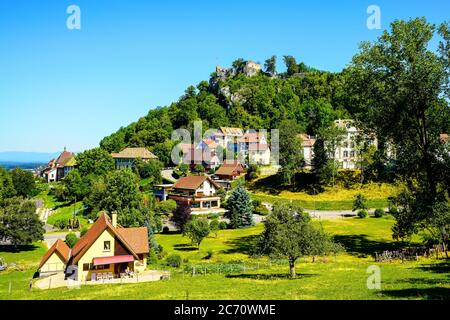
(71,88)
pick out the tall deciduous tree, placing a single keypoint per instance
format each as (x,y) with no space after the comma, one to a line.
(270,65)
(402,88)
(288,233)
(181,215)
(121,194)
(19,223)
(332,137)
(94,162)
(23,182)
(291,150)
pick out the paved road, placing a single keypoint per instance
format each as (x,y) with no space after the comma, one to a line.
(50,238)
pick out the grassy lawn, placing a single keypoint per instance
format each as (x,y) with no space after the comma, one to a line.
(336,198)
(66,213)
(327,278)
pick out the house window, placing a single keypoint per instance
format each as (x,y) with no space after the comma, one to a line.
(107,246)
(86,266)
(352,153)
(345,153)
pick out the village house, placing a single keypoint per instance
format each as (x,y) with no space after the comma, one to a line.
(259,154)
(59,167)
(125,158)
(199,192)
(230,170)
(203,153)
(226,137)
(107,250)
(308,149)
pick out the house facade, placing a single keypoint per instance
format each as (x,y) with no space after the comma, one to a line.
(55,259)
(58,168)
(308,149)
(125,158)
(106,248)
(198,191)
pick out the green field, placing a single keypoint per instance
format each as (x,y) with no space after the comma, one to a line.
(331,198)
(326,278)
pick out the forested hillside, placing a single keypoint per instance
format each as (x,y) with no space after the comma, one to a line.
(311,97)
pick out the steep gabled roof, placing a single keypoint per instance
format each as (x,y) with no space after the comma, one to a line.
(230,168)
(192,182)
(136,237)
(59,247)
(133,153)
(64,157)
(103,223)
(226,131)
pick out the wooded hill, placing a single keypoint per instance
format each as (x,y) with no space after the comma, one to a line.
(311,97)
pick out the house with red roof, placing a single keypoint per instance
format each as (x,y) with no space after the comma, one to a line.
(199,192)
(105,250)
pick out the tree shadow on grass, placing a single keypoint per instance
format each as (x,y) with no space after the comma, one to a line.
(435,291)
(184,247)
(245,245)
(360,245)
(19,248)
(274,184)
(443,267)
(269,276)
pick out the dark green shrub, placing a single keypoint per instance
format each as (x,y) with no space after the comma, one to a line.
(162,255)
(393,210)
(379,213)
(223,225)
(362,213)
(152,256)
(174,260)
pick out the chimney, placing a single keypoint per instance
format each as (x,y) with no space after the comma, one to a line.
(114,219)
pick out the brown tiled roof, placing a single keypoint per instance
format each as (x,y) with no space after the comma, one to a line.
(64,157)
(252,137)
(136,237)
(133,153)
(231,131)
(59,247)
(230,169)
(192,182)
(93,233)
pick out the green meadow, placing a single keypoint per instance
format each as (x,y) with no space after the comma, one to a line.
(341,277)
